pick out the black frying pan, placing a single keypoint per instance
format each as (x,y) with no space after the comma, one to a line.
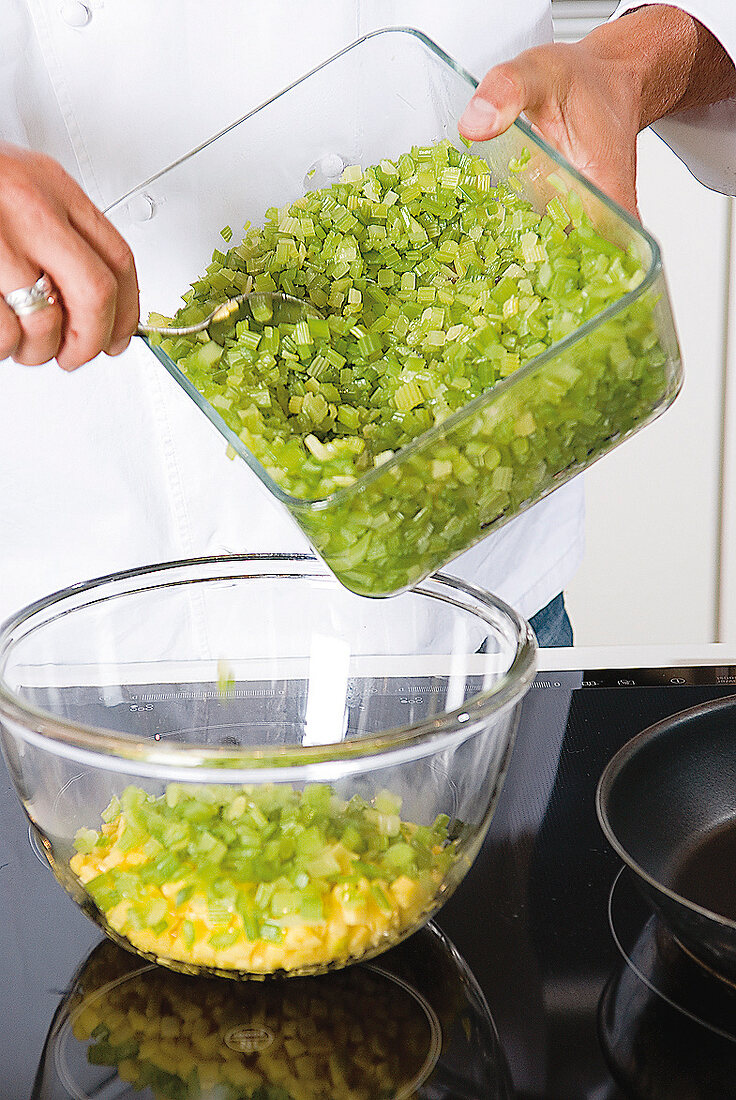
(667,804)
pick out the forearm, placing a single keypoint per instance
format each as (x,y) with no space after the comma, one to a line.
(667,59)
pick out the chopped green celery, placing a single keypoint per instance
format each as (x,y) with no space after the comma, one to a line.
(352,839)
(379,895)
(379,254)
(184,894)
(317,796)
(131,836)
(387,803)
(85,840)
(311,906)
(271,932)
(324,866)
(285,901)
(303,843)
(112,810)
(401,856)
(204,357)
(222,940)
(247,910)
(387,824)
(102,1054)
(103,891)
(309,842)
(150,911)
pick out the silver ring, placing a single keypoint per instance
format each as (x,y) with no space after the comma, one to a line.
(31,298)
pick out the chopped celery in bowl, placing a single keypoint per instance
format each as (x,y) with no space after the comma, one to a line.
(491,323)
(260,879)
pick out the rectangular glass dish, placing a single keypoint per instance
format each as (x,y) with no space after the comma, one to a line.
(497,455)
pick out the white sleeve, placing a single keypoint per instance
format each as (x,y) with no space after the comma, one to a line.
(705,138)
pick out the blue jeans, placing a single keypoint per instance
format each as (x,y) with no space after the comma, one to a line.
(551,625)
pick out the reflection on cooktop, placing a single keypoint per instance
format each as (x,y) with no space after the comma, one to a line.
(667,1023)
(411,1026)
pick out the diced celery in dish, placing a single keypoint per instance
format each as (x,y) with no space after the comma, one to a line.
(436,283)
(259,879)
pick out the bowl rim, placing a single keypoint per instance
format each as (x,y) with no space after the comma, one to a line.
(437,431)
(462,720)
(611,774)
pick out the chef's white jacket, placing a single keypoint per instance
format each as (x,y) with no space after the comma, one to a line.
(112,466)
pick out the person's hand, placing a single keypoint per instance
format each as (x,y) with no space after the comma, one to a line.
(575,101)
(48,225)
(591,99)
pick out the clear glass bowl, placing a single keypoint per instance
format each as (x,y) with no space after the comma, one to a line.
(543,424)
(299,777)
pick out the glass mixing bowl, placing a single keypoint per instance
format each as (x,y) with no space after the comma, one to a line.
(236,766)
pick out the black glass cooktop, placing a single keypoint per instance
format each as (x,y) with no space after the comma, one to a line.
(568,988)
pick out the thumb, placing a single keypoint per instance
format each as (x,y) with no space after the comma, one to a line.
(502,95)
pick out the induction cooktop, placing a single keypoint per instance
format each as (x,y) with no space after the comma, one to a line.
(544,977)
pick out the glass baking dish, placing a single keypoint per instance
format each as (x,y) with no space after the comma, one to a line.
(542,425)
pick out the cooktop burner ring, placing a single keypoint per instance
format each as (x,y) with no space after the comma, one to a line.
(697,961)
(625,897)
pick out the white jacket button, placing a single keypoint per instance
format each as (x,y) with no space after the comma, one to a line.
(75,14)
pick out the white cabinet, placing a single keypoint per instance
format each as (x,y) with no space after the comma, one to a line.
(660,560)
(651,568)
